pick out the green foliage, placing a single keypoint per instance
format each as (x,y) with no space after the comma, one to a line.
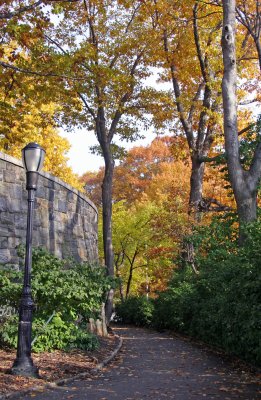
(135,310)
(66,295)
(221,305)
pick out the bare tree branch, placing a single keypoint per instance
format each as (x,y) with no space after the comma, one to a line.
(11,14)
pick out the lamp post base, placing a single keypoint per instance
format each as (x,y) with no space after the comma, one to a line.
(24,367)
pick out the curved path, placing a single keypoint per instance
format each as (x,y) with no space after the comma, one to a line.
(156,366)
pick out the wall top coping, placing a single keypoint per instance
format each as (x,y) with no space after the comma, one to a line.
(18,163)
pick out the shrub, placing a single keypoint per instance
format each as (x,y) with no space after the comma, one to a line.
(66,295)
(221,305)
(135,310)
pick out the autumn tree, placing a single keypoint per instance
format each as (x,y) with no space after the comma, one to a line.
(190,56)
(248,13)
(97,48)
(154,181)
(244,182)
(27,114)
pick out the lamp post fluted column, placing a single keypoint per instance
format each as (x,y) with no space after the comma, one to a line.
(33,156)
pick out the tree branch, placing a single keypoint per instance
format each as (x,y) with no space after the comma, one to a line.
(29,72)
(11,14)
(185,123)
(86,105)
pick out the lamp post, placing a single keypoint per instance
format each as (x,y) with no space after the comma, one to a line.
(33,158)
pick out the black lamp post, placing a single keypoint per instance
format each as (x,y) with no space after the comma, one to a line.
(33,158)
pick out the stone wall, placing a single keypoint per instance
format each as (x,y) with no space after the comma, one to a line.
(65,220)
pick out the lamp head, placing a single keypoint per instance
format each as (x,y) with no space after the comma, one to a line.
(33,159)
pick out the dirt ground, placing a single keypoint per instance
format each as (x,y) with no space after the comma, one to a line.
(53,366)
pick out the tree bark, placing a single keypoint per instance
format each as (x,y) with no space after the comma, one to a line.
(107,226)
(258,48)
(129,282)
(244,183)
(196,186)
(106,204)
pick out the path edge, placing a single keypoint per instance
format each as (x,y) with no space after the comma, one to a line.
(61,382)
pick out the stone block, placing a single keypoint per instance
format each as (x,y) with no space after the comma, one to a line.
(14,205)
(44,218)
(4,231)
(3,204)
(20,220)
(5,256)
(41,192)
(9,176)
(3,164)
(17,191)
(4,243)
(62,206)
(12,167)
(71,207)
(78,232)
(71,197)
(6,218)
(19,233)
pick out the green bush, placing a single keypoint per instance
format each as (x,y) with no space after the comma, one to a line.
(221,305)
(66,295)
(135,310)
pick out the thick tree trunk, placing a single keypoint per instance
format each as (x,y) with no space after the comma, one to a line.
(196,187)
(247,206)
(244,183)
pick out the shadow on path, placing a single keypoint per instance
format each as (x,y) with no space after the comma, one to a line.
(156,366)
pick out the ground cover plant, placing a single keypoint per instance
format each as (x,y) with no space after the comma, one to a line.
(66,295)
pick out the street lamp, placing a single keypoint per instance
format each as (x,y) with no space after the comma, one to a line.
(33,158)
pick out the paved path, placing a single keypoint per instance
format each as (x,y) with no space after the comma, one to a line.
(155,366)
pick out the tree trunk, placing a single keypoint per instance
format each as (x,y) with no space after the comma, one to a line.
(106,204)
(244,183)
(107,226)
(118,275)
(196,186)
(129,282)
(258,47)
(247,206)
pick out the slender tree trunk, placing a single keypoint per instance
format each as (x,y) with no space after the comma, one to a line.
(258,47)
(129,282)
(107,226)
(118,274)
(106,205)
